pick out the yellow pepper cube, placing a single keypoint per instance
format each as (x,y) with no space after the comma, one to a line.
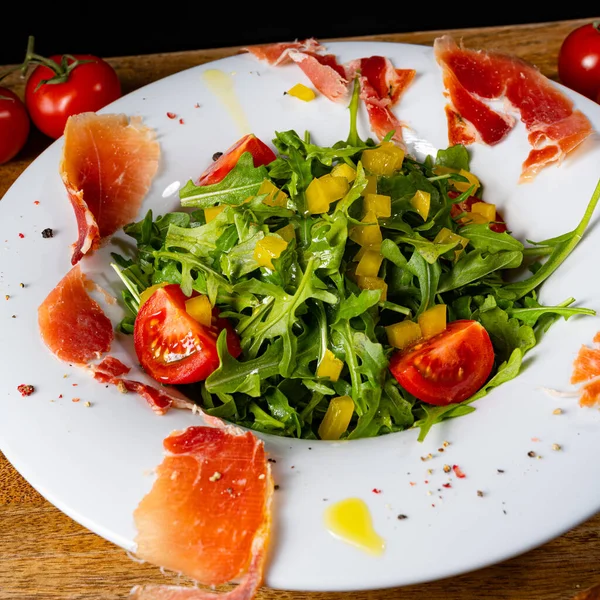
(288,233)
(364,249)
(270,247)
(330,366)
(344,170)
(487,211)
(212,212)
(301,91)
(275,197)
(446,236)
(367,235)
(316,198)
(403,334)
(337,418)
(421,202)
(334,188)
(373,283)
(463,186)
(433,320)
(380,204)
(200,309)
(371,187)
(369,264)
(386,159)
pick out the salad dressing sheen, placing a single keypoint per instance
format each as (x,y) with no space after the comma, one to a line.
(350,521)
(221,84)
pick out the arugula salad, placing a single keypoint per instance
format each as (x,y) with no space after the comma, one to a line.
(337,292)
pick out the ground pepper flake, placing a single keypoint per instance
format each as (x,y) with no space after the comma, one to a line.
(7,297)
(76,399)
(557,411)
(556,447)
(26,389)
(446,485)
(376,491)
(458,471)
(447,468)
(402,517)
(21,235)
(36,202)
(181,121)
(480,493)
(47,233)
(171,115)
(531,454)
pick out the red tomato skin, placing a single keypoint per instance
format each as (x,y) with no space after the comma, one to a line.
(90,87)
(499,226)
(579,60)
(430,370)
(150,324)
(14,125)
(261,154)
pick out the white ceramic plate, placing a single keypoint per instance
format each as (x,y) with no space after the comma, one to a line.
(94,463)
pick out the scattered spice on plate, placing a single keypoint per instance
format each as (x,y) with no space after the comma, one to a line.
(36,202)
(447,468)
(181,121)
(557,411)
(21,235)
(171,115)
(215,476)
(76,399)
(500,470)
(26,389)
(458,471)
(402,517)
(47,233)
(480,493)
(22,285)
(216,156)
(7,297)
(376,491)
(531,454)
(556,447)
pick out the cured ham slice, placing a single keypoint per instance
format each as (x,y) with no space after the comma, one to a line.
(554,126)
(325,73)
(208,513)
(590,393)
(278,54)
(72,324)
(107,166)
(586,365)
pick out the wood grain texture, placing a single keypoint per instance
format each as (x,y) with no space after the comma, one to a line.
(44,555)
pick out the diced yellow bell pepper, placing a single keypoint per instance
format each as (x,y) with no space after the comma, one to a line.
(461,186)
(149,291)
(212,212)
(276,197)
(433,320)
(200,309)
(330,366)
(373,283)
(344,170)
(337,418)
(446,236)
(270,247)
(421,202)
(380,204)
(403,334)
(301,91)
(487,211)
(364,249)
(386,159)
(369,264)
(367,235)
(334,188)
(316,198)
(471,218)
(371,187)
(288,233)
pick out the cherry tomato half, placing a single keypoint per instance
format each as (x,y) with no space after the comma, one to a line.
(499,226)
(448,367)
(89,86)
(172,346)
(14,125)
(261,154)
(579,60)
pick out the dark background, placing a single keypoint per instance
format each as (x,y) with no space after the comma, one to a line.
(119,29)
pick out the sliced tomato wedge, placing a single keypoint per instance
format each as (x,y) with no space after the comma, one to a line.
(499,226)
(448,367)
(261,154)
(172,346)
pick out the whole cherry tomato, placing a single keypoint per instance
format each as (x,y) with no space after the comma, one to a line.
(61,86)
(579,60)
(14,125)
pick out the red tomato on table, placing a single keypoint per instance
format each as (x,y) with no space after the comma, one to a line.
(261,154)
(14,125)
(579,60)
(448,367)
(86,87)
(172,346)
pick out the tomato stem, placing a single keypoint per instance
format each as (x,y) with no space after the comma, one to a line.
(61,70)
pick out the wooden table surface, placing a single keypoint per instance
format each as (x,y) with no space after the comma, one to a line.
(45,555)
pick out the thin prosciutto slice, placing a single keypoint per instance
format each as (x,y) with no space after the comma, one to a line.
(72,324)
(208,513)
(325,73)
(381,86)
(108,164)
(278,54)
(586,370)
(472,77)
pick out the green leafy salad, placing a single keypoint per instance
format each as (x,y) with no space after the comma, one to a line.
(315,327)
